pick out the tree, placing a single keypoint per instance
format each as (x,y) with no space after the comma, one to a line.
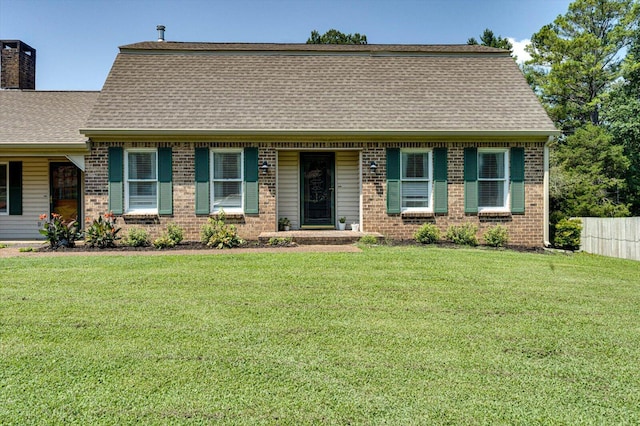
(588,175)
(575,59)
(622,118)
(489,39)
(336,37)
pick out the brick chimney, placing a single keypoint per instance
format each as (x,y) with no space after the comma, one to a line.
(17,65)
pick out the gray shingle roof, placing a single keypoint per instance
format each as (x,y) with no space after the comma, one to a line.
(43,117)
(297,87)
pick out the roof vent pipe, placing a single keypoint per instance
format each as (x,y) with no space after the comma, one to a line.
(160,29)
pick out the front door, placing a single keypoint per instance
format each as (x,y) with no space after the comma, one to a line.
(318,183)
(65,190)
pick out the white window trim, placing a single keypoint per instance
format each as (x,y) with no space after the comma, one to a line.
(127,209)
(227,210)
(6,212)
(429,208)
(507,173)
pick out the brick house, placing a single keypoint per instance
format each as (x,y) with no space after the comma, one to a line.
(41,149)
(388,136)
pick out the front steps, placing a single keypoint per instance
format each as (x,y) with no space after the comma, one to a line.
(318,237)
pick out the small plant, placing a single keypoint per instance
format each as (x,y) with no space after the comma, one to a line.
(369,240)
(343,219)
(3,246)
(217,234)
(136,237)
(283,223)
(175,233)
(496,236)
(427,234)
(26,249)
(568,234)
(164,242)
(58,233)
(463,234)
(280,242)
(102,232)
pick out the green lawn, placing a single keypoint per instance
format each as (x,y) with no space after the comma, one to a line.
(395,335)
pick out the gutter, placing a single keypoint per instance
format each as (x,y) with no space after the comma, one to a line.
(545,209)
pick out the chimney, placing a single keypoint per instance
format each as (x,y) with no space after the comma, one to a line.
(17,65)
(160,29)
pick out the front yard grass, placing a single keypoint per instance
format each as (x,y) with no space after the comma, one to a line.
(396,335)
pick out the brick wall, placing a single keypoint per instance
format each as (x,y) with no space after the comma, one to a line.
(525,230)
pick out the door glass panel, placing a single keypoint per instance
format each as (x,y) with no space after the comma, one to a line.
(318,189)
(64,190)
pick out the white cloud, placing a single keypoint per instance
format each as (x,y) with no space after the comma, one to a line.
(518,49)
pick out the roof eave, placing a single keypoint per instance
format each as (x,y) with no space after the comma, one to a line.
(96,132)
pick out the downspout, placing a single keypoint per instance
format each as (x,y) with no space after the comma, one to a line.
(546,193)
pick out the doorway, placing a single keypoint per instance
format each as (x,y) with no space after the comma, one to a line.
(64,190)
(318,189)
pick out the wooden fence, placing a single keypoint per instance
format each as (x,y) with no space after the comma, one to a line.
(614,237)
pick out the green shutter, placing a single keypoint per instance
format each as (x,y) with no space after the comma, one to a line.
(251,188)
(201,162)
(15,188)
(517,180)
(165,185)
(471,180)
(440,198)
(393,181)
(116,161)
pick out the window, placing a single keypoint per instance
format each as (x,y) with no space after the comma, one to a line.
(415,178)
(141,181)
(227,180)
(493,182)
(4,188)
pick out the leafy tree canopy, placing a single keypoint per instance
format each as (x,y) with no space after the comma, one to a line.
(489,39)
(575,59)
(336,37)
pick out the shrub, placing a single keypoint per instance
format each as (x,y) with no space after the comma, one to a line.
(496,236)
(102,232)
(463,234)
(175,233)
(368,240)
(3,246)
(137,237)
(216,233)
(568,234)
(427,234)
(281,242)
(58,233)
(164,242)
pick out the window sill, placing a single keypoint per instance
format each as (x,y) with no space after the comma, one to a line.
(140,216)
(494,213)
(417,214)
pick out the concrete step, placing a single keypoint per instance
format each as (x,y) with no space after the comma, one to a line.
(318,237)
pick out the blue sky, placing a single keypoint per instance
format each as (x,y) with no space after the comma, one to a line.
(77,40)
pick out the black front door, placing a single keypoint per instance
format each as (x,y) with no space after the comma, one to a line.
(318,176)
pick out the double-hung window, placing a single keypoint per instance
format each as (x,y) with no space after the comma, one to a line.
(493,180)
(141,181)
(4,188)
(416,177)
(227,180)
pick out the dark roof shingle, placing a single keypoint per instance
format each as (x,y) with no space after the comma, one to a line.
(262,87)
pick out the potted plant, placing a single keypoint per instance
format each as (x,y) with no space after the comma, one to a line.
(284,224)
(342,223)
(355,227)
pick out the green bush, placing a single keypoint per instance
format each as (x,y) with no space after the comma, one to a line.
(217,234)
(136,237)
(280,242)
(175,233)
(102,232)
(427,234)
(568,234)
(496,236)
(164,242)
(463,234)
(368,240)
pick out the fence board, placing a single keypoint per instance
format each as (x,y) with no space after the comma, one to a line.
(614,237)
